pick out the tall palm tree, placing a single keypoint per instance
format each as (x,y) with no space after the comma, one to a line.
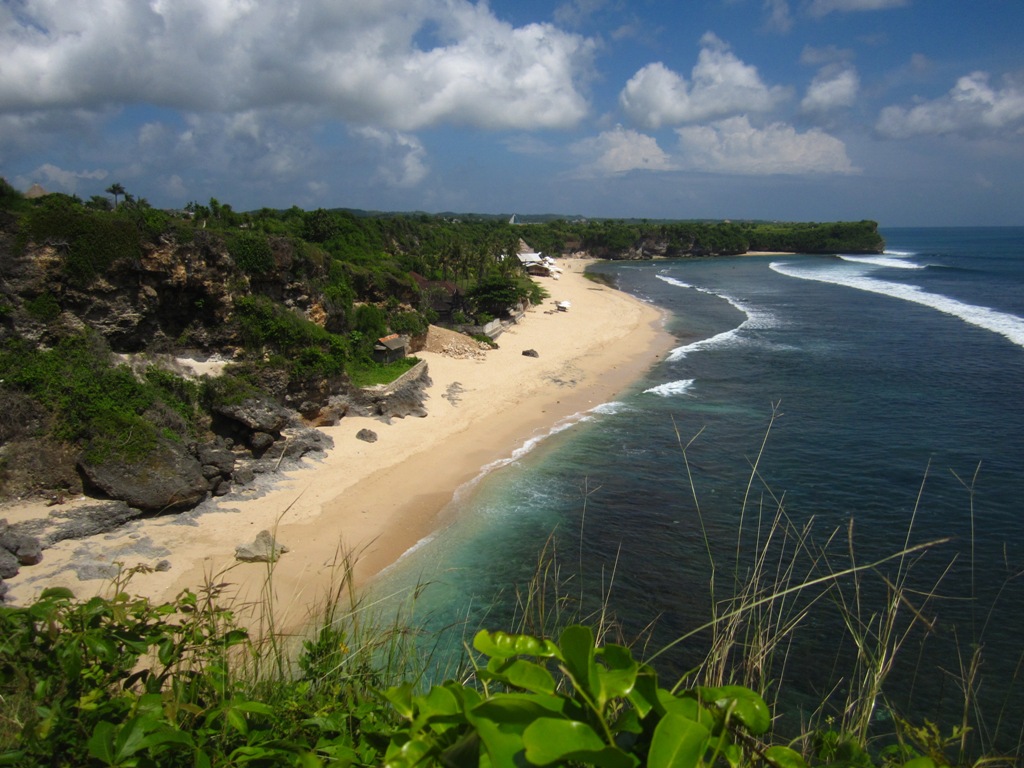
(115,190)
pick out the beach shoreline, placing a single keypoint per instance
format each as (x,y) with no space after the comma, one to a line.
(373,502)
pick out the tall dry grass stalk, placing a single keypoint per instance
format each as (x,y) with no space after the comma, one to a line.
(779,573)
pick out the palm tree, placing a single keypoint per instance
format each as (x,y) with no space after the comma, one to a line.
(115,190)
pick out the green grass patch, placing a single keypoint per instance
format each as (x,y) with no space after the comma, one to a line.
(373,374)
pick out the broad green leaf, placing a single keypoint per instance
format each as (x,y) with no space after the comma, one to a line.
(439,705)
(517,708)
(920,762)
(401,699)
(686,706)
(309,760)
(628,721)
(550,740)
(502,645)
(618,677)
(441,701)
(130,738)
(254,707)
(57,593)
(530,676)
(644,695)
(502,742)
(784,757)
(166,650)
(467,697)
(101,743)
(577,643)
(747,707)
(236,720)
(413,752)
(101,647)
(235,636)
(167,735)
(678,742)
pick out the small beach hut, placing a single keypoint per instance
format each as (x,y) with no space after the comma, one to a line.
(389,349)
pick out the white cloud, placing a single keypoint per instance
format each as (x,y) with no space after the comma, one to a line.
(404,157)
(822,7)
(779,17)
(576,12)
(403,64)
(56,179)
(832,88)
(722,85)
(736,146)
(621,150)
(29,131)
(972,106)
(174,187)
(730,146)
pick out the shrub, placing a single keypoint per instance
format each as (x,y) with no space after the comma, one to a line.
(232,387)
(408,323)
(10,198)
(495,295)
(90,241)
(91,399)
(537,293)
(574,702)
(43,308)
(252,253)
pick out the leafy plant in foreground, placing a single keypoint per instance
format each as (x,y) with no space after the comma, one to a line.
(574,702)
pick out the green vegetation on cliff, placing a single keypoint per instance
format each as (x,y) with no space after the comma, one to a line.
(295,299)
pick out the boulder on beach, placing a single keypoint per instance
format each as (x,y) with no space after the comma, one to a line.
(167,479)
(265,549)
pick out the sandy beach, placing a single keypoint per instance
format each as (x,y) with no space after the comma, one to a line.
(377,500)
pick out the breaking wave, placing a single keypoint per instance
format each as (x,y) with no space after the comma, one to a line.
(1003,323)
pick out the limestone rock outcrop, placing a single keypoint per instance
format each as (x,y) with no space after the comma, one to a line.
(167,479)
(264,549)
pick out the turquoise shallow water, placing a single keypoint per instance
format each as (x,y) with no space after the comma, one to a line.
(894,380)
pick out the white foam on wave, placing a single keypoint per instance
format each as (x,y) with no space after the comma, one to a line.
(755,319)
(604,409)
(724,339)
(1003,323)
(672,388)
(417,546)
(901,254)
(568,422)
(609,409)
(891,261)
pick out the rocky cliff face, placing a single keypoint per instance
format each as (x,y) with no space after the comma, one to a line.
(174,295)
(175,300)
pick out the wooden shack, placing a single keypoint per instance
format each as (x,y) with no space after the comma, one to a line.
(390,348)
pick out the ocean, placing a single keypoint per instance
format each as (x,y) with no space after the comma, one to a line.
(871,404)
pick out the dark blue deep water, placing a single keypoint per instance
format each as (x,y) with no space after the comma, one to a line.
(890,392)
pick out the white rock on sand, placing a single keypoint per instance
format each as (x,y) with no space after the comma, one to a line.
(377,500)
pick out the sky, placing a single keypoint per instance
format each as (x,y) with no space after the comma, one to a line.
(908,112)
